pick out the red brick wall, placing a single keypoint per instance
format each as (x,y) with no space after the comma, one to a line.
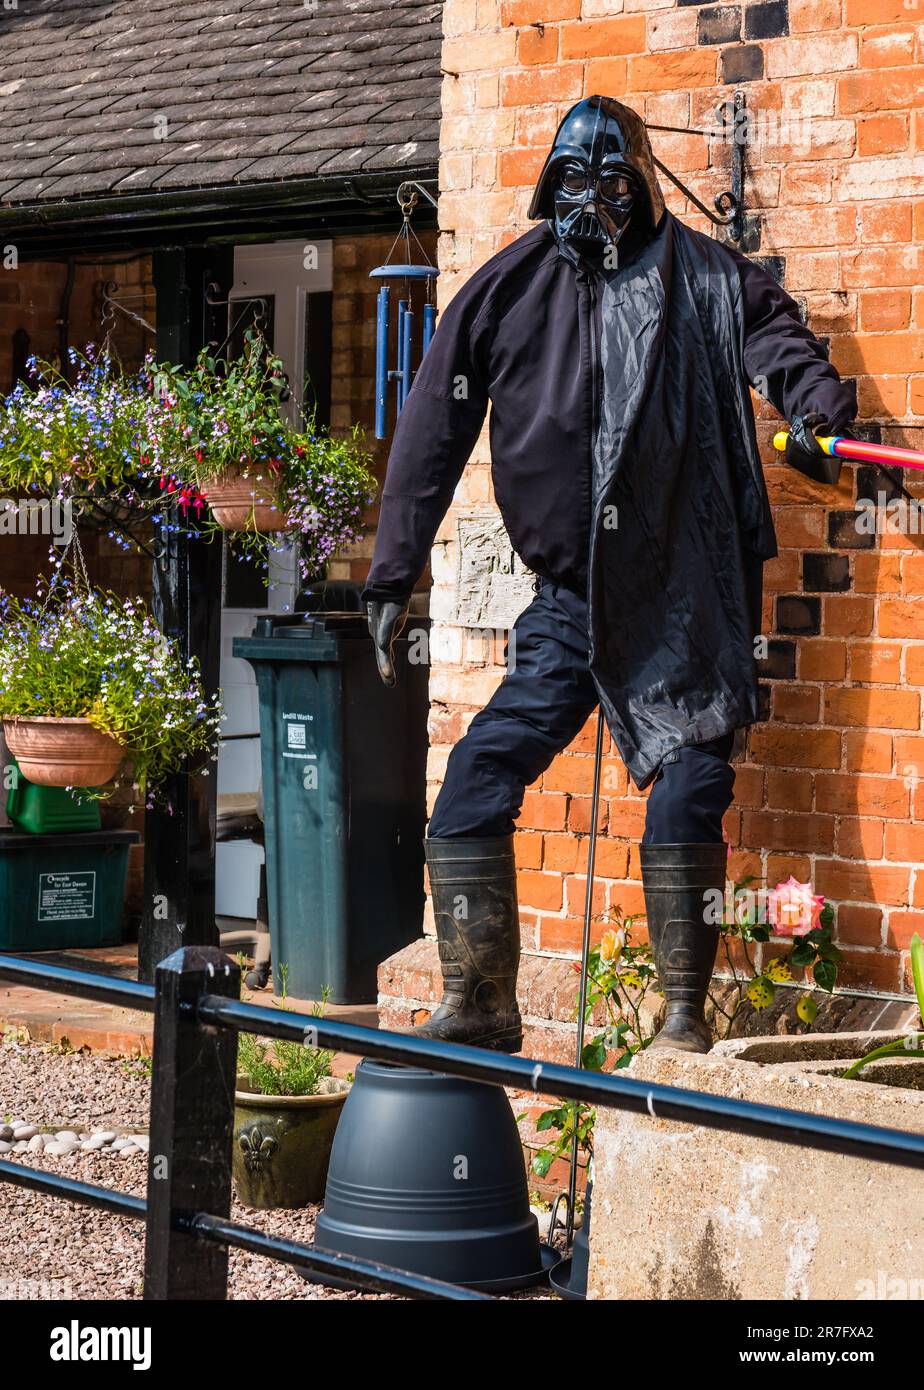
(828,788)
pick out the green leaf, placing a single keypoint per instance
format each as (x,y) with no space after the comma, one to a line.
(807,1009)
(917,969)
(593,1055)
(891,1049)
(614,1035)
(825,975)
(802,954)
(761,992)
(549,1119)
(542,1162)
(623,1059)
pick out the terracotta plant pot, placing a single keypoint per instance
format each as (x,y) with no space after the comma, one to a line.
(244,504)
(282,1144)
(53,752)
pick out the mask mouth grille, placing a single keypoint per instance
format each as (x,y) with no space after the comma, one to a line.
(586,227)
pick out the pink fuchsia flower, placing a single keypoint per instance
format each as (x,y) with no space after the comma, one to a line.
(793,909)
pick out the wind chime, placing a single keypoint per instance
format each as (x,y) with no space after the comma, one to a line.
(415,302)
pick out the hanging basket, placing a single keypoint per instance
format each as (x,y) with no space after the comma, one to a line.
(60,752)
(240,503)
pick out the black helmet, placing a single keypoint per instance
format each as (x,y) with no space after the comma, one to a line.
(607,139)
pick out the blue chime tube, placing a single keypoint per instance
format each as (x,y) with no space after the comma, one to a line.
(407,355)
(381,363)
(429,324)
(398,373)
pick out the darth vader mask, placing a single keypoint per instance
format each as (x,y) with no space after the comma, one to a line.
(593,207)
(598,187)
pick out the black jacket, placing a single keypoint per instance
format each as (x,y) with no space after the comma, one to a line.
(628,392)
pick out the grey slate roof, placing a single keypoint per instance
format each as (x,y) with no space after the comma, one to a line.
(131,95)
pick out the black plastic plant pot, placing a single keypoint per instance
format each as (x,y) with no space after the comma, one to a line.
(427,1175)
(569,1277)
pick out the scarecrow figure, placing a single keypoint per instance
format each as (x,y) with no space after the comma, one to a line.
(615,347)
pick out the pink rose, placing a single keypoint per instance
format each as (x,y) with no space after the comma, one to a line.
(793,909)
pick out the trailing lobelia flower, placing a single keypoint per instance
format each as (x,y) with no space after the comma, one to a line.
(86,436)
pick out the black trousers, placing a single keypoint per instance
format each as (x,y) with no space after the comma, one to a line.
(541,705)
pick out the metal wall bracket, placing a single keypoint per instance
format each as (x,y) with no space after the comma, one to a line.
(732,128)
(110,306)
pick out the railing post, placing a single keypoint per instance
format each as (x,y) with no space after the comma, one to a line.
(192,1120)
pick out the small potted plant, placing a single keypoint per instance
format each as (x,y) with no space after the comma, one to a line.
(286,1108)
(89,685)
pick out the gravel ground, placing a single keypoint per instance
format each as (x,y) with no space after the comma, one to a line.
(55,1249)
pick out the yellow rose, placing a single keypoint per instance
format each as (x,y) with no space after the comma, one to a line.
(611,946)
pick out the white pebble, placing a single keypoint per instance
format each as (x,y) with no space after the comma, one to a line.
(16,1124)
(122,1142)
(64,1135)
(106,1135)
(142,1141)
(56,1150)
(20,1146)
(5,1147)
(36,1144)
(25,1131)
(95,1141)
(129,1151)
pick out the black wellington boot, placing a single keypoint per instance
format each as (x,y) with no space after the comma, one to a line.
(474,888)
(683,935)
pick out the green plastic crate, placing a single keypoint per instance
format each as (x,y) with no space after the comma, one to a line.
(48,810)
(61,891)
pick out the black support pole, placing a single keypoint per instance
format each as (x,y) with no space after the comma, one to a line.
(179,860)
(192,1123)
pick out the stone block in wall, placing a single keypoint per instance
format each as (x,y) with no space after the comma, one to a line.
(493,584)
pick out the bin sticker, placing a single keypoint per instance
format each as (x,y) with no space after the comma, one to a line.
(296,740)
(67,897)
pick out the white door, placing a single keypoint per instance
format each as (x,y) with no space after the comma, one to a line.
(282,275)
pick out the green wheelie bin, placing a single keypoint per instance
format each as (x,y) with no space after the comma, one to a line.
(344,792)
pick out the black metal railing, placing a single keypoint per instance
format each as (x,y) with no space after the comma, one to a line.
(197,1015)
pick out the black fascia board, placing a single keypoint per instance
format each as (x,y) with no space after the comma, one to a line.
(339,205)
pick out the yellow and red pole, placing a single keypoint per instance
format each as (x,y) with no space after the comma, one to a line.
(889,455)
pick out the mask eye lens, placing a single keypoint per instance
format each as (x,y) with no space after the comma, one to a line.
(614,186)
(573,179)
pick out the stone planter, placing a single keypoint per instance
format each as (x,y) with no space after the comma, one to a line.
(682,1211)
(282,1144)
(244,504)
(55,752)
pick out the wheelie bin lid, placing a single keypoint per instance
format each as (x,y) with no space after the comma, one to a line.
(312,625)
(313,637)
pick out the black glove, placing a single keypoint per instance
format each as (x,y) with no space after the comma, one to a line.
(386,620)
(805,454)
